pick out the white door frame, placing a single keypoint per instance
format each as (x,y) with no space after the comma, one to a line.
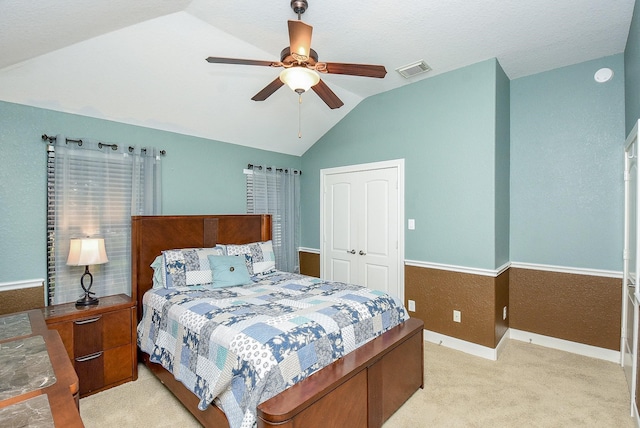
(399,165)
(631,269)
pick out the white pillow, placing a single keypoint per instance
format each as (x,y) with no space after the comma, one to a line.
(261,259)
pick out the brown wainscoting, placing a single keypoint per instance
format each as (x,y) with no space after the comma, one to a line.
(22,299)
(479,298)
(579,308)
(502,300)
(309,263)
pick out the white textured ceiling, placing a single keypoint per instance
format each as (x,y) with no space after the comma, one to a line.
(143,62)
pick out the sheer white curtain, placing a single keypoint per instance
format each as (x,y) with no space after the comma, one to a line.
(276,191)
(93,190)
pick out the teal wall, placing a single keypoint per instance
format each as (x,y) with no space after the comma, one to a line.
(199,176)
(561,132)
(445,129)
(632,71)
(502,166)
(567,134)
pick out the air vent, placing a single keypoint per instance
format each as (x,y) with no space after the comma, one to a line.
(413,69)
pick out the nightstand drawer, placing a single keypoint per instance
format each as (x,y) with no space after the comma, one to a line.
(117,364)
(90,370)
(100,340)
(119,329)
(87,335)
(65,329)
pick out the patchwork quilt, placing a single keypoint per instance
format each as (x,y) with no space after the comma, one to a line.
(242,345)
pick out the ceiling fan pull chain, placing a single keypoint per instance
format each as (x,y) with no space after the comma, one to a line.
(300,115)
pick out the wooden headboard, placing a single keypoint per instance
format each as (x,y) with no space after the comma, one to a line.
(150,235)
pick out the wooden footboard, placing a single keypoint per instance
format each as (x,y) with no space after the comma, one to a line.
(363,389)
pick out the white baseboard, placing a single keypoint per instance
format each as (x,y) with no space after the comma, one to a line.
(524,336)
(634,414)
(464,346)
(566,345)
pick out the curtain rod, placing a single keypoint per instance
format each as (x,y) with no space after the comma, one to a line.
(51,139)
(285,170)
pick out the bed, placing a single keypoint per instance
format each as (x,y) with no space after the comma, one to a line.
(374,379)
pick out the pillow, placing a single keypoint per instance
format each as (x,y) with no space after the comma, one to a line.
(261,259)
(188,266)
(158,272)
(229,271)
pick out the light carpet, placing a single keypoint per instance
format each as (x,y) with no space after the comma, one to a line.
(529,386)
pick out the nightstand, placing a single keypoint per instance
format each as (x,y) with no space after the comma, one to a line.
(100,340)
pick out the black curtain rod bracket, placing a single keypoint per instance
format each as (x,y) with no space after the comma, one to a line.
(113,146)
(52,139)
(285,170)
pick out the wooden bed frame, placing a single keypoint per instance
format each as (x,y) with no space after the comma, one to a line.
(362,389)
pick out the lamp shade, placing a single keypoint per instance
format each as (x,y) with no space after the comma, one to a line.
(299,79)
(87,251)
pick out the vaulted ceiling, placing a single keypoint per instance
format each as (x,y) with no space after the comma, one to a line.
(143,62)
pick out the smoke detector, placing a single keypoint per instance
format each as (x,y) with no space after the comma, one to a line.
(603,75)
(413,69)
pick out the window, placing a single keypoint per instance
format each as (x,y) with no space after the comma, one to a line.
(276,191)
(93,189)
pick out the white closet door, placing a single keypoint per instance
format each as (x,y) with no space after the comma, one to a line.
(340,222)
(378,231)
(361,221)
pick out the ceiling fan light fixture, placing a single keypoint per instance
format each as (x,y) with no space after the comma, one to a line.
(299,79)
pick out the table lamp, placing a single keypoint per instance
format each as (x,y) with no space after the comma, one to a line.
(85,252)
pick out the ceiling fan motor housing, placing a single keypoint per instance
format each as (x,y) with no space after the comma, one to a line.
(299,6)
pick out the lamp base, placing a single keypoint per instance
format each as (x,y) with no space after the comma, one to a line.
(87,300)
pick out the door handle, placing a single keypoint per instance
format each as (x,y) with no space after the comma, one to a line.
(362,253)
(351,252)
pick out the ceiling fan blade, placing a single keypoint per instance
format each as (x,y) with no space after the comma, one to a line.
(300,40)
(365,70)
(268,90)
(217,60)
(327,95)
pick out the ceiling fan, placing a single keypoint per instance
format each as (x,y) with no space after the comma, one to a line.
(301,65)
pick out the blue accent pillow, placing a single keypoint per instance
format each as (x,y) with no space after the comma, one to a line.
(229,271)
(158,272)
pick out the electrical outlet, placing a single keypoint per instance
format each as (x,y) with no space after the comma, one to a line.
(457,316)
(504,313)
(412,305)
